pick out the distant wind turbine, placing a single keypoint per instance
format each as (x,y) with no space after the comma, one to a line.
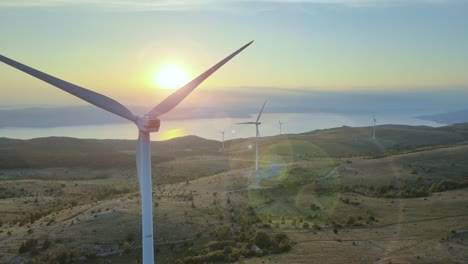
(280,126)
(256,123)
(145,124)
(222,132)
(374,121)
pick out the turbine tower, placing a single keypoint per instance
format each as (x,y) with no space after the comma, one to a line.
(145,124)
(280,125)
(374,121)
(222,132)
(256,123)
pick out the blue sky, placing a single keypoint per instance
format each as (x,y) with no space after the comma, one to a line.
(116,47)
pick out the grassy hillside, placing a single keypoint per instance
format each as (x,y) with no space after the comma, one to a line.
(333,195)
(337,142)
(348,142)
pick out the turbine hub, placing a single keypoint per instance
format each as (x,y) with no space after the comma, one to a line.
(148,124)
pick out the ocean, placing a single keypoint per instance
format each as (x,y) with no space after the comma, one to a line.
(293,123)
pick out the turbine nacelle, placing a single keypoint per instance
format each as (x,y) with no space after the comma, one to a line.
(148,124)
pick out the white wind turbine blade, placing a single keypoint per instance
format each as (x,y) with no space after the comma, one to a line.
(91,97)
(246,123)
(179,95)
(259,114)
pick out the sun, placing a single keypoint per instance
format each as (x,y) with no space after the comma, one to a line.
(171,77)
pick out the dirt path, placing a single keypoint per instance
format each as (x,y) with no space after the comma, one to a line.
(331,173)
(419,242)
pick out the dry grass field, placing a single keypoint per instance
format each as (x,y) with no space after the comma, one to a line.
(337,195)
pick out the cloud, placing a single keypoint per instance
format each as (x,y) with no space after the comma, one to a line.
(358,2)
(181,5)
(114,4)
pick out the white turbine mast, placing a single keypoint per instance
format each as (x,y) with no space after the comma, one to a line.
(374,121)
(145,124)
(257,135)
(222,133)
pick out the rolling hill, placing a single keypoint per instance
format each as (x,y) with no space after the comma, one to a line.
(332,195)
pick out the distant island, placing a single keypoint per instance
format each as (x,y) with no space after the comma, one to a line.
(243,101)
(448,118)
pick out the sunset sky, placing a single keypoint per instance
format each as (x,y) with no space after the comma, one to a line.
(117,47)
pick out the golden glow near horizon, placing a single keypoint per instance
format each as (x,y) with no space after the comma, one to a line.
(171,77)
(172,133)
(377,48)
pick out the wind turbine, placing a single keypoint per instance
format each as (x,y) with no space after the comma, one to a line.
(256,123)
(374,121)
(222,132)
(280,125)
(145,124)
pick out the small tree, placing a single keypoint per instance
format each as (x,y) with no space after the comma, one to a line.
(223,232)
(62,257)
(221,217)
(127,247)
(350,220)
(315,226)
(294,222)
(46,244)
(262,239)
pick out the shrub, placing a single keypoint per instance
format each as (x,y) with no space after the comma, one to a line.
(282,242)
(223,232)
(46,244)
(350,220)
(316,226)
(29,246)
(220,245)
(91,254)
(262,239)
(62,257)
(314,207)
(294,223)
(130,237)
(127,247)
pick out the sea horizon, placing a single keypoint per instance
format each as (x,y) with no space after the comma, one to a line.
(211,128)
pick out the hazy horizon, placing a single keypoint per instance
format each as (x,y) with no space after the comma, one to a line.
(118,47)
(92,127)
(301,111)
